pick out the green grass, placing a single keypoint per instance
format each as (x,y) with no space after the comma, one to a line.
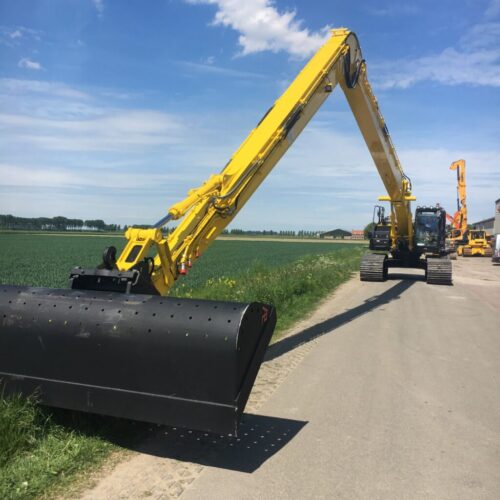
(42,449)
(294,287)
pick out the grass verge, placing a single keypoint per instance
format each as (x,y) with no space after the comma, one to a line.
(294,289)
(44,450)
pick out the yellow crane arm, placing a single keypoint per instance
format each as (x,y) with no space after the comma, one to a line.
(208,209)
(459,166)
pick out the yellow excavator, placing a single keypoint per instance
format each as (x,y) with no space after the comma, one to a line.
(115,344)
(461,240)
(457,235)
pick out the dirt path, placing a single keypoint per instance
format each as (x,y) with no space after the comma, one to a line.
(389,390)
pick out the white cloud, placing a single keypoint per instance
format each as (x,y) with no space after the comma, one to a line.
(27,63)
(450,67)
(493,10)
(44,176)
(99,7)
(217,70)
(394,10)
(482,35)
(52,116)
(119,130)
(262,27)
(14,36)
(22,86)
(475,61)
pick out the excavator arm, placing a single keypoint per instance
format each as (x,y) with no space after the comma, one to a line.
(208,209)
(461,214)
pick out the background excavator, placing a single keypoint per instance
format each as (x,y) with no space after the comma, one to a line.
(461,240)
(457,235)
(114,344)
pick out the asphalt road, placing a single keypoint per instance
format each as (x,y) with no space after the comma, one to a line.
(399,397)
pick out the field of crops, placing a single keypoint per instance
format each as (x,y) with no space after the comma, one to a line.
(46,259)
(43,450)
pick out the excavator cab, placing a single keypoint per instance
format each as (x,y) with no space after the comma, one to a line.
(380,236)
(430,229)
(477,234)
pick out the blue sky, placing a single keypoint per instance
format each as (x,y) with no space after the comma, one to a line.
(113,110)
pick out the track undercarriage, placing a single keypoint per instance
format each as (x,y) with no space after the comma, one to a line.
(374,267)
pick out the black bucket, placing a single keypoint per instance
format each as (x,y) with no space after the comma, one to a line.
(181,362)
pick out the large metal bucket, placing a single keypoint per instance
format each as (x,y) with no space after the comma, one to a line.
(181,362)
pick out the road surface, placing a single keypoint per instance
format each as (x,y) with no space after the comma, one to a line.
(389,391)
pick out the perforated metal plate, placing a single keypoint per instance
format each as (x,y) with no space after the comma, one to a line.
(182,362)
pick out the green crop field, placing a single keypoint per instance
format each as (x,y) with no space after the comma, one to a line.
(46,259)
(43,450)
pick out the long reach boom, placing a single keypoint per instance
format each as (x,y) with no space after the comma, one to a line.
(208,209)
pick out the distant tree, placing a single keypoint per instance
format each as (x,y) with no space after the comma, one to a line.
(60,223)
(368,229)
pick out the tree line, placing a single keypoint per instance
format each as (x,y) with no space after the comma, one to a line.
(58,223)
(270,232)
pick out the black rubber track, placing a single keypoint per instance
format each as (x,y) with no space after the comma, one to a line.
(439,271)
(373,267)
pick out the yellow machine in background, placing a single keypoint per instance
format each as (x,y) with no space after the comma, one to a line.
(477,244)
(461,240)
(458,230)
